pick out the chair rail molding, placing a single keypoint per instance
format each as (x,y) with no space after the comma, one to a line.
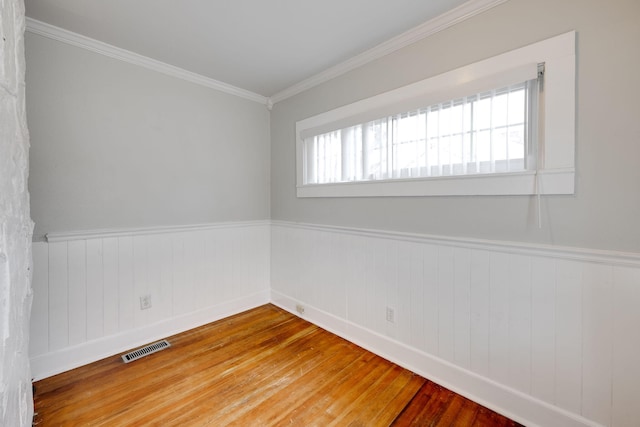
(536,332)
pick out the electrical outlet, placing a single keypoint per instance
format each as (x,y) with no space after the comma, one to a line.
(300,308)
(391,315)
(145,302)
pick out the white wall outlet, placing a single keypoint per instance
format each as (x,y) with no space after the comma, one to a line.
(145,302)
(300,308)
(391,315)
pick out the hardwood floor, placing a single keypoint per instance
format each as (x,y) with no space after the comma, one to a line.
(263,367)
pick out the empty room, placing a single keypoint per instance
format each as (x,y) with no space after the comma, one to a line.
(315,213)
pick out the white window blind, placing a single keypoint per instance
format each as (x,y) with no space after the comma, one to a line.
(469,131)
(487,132)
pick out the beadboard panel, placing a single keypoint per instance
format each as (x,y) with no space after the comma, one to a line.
(541,336)
(87,291)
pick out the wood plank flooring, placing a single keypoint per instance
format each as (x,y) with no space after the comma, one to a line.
(263,367)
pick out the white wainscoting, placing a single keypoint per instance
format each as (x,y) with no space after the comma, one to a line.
(87,287)
(546,335)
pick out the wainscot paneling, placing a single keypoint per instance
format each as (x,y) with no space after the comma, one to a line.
(87,287)
(545,335)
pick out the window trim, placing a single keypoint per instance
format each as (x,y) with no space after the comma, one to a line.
(555,173)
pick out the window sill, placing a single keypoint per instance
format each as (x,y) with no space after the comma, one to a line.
(552,181)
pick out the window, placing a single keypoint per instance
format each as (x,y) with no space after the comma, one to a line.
(487,132)
(499,126)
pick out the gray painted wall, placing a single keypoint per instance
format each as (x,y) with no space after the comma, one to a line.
(115,145)
(606,207)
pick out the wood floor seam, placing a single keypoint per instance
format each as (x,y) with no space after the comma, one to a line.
(262,367)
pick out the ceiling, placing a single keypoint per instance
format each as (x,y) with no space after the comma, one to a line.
(263,46)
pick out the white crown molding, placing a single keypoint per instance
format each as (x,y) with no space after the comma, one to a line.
(461,13)
(56,33)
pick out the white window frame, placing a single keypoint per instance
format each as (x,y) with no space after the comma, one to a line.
(555,145)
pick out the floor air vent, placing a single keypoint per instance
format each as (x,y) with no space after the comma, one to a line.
(145,351)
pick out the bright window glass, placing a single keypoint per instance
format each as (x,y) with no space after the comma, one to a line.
(488,132)
(484,139)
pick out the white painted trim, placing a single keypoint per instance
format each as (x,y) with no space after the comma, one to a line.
(53,363)
(599,256)
(514,183)
(461,13)
(630,259)
(119,232)
(556,150)
(530,411)
(55,33)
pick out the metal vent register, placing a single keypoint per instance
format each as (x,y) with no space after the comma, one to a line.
(145,351)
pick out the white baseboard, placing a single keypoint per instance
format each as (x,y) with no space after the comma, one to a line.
(53,363)
(522,408)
